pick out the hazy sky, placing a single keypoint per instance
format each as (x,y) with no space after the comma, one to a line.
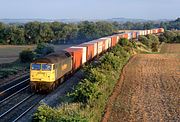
(90,9)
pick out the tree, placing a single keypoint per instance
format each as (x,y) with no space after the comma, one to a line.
(148,25)
(105,28)
(2,28)
(32,33)
(162,38)
(45,32)
(87,31)
(169,35)
(27,56)
(44,49)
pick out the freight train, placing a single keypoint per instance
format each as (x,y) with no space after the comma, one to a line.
(48,72)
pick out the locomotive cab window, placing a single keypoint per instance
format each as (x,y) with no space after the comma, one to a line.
(46,67)
(36,66)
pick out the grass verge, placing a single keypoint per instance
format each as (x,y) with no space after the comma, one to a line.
(13,68)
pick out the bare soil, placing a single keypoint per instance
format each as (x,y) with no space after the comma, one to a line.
(149,89)
(170,48)
(10,53)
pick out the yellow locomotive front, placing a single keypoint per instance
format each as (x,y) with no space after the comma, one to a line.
(48,72)
(42,72)
(42,76)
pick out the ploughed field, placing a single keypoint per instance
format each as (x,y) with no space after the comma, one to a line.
(10,53)
(150,88)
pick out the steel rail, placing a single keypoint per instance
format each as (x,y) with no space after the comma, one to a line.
(15,106)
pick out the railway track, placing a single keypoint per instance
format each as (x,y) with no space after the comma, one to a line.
(16,99)
(20,108)
(10,89)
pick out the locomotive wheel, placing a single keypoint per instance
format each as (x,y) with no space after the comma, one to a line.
(33,86)
(53,86)
(61,80)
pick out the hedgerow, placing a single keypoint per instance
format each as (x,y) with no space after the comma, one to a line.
(91,94)
(151,41)
(67,113)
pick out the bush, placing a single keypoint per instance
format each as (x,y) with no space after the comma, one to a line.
(2,41)
(145,41)
(85,91)
(64,114)
(110,60)
(154,42)
(151,41)
(176,39)
(124,42)
(94,75)
(134,44)
(26,56)
(155,46)
(44,49)
(120,52)
(170,37)
(153,38)
(162,38)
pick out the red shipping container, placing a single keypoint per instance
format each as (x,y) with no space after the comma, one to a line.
(95,47)
(106,41)
(103,44)
(160,30)
(134,35)
(76,54)
(99,45)
(113,41)
(90,50)
(125,35)
(154,31)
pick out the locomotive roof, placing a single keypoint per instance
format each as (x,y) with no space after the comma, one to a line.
(54,57)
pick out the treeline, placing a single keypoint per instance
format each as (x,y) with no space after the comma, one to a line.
(37,32)
(170,36)
(149,25)
(152,41)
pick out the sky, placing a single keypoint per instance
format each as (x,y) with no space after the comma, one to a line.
(89,9)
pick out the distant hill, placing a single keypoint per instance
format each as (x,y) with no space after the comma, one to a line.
(119,20)
(7,21)
(175,24)
(123,20)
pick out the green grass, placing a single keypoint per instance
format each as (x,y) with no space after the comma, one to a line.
(12,69)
